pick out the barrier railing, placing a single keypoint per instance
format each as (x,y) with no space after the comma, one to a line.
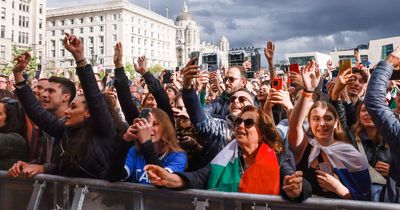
(55,192)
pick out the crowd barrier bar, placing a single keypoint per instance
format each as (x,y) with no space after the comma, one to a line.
(90,194)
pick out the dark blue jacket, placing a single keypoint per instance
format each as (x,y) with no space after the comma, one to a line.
(388,124)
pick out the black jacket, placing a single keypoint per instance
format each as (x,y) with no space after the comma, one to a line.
(219,108)
(84,151)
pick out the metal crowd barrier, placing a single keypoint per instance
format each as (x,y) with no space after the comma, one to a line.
(55,192)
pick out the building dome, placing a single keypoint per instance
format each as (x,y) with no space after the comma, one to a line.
(184,16)
(224,39)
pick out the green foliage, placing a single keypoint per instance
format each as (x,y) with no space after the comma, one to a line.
(33,64)
(129,68)
(156,69)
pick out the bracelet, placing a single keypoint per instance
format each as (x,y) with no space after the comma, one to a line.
(307,91)
(306,94)
(81,62)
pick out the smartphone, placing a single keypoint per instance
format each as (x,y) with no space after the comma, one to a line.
(214,67)
(197,55)
(277,84)
(325,167)
(294,68)
(145,113)
(344,64)
(250,74)
(167,77)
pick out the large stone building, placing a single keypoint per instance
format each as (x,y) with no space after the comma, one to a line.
(102,25)
(22,26)
(188,40)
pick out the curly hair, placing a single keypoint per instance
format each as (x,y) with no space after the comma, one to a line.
(269,133)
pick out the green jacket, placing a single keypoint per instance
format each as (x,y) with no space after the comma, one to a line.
(13,148)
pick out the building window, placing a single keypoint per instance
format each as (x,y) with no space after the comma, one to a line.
(81,30)
(62,52)
(91,19)
(40,23)
(3,13)
(72,31)
(101,50)
(62,22)
(133,28)
(81,20)
(53,43)
(53,33)
(101,61)
(386,50)
(115,37)
(3,32)
(40,8)
(53,23)
(40,38)
(12,35)
(72,21)
(2,51)
(101,18)
(13,4)
(53,53)
(62,32)
(101,39)
(101,28)
(91,28)
(115,26)
(12,19)
(115,17)
(91,40)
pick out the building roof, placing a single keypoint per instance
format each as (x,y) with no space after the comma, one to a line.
(184,15)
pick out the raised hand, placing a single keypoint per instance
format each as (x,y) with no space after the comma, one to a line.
(293,184)
(118,55)
(281,97)
(269,51)
(343,79)
(74,45)
(311,76)
(329,65)
(22,61)
(190,72)
(394,58)
(246,65)
(296,79)
(144,128)
(141,66)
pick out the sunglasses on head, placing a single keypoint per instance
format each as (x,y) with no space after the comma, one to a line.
(231,79)
(241,99)
(248,123)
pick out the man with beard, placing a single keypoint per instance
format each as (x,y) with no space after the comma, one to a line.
(235,79)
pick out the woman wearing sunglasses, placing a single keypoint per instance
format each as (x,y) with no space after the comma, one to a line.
(335,169)
(217,132)
(254,162)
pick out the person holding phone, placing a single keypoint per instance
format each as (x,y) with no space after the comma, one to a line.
(151,139)
(335,169)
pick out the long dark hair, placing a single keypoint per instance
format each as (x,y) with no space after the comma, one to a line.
(15,120)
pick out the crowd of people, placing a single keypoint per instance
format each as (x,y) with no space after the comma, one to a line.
(314,135)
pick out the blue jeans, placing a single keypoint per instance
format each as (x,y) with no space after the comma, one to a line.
(376,190)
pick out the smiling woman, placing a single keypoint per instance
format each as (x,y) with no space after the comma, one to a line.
(257,151)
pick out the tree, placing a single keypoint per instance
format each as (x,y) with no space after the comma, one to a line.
(156,69)
(33,64)
(129,68)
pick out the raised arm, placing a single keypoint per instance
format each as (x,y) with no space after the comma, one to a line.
(302,106)
(122,86)
(375,100)
(155,87)
(269,52)
(94,99)
(33,108)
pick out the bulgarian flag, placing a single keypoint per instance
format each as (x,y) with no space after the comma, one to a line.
(262,177)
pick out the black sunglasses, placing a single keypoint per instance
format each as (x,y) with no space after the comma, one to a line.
(248,123)
(241,99)
(231,79)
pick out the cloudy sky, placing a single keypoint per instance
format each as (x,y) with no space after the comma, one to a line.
(294,25)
